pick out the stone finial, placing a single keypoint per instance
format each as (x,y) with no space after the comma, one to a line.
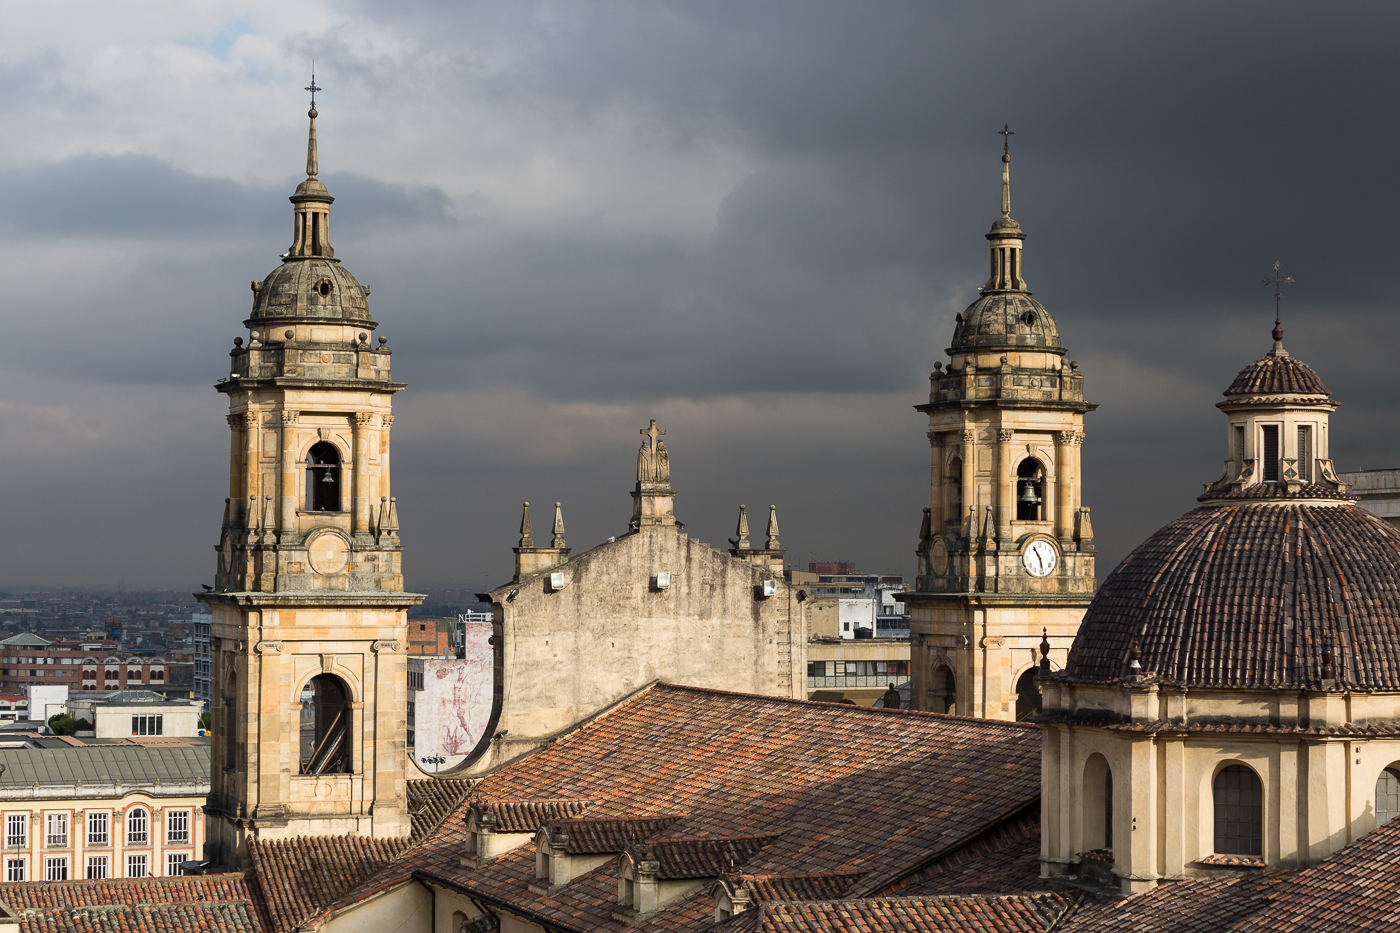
(1134,659)
(772,544)
(1084,529)
(558,539)
(526,536)
(742,531)
(228,512)
(1044,651)
(926,526)
(1328,669)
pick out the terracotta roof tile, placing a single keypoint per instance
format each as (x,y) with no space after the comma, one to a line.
(1197,905)
(706,857)
(1251,596)
(485,923)
(300,877)
(1005,860)
(1277,375)
(526,816)
(798,887)
(844,788)
(151,905)
(433,800)
(592,836)
(1034,913)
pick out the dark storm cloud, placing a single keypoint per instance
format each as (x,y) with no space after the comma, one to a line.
(1165,154)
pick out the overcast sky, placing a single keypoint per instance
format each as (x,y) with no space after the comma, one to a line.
(753,222)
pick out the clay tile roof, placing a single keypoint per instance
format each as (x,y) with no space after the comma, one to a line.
(1004,860)
(603,835)
(433,800)
(824,886)
(1032,913)
(1275,491)
(1251,596)
(1277,375)
(843,788)
(705,857)
(526,816)
(1197,905)
(301,876)
(152,905)
(486,923)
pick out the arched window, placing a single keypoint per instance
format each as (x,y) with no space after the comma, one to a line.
(1239,812)
(943,696)
(138,827)
(323,478)
(1098,803)
(1388,795)
(1030,490)
(459,920)
(1027,695)
(325,726)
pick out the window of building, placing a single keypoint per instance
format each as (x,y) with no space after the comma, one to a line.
(148,724)
(323,478)
(177,826)
(1388,795)
(1270,457)
(96,867)
(137,828)
(14,869)
(1239,812)
(1304,452)
(55,869)
(97,823)
(172,863)
(57,835)
(16,830)
(136,866)
(1030,490)
(325,726)
(1027,695)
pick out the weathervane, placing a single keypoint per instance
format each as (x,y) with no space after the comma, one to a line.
(312,86)
(1278,281)
(1006,132)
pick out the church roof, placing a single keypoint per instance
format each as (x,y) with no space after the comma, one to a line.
(1277,375)
(1253,596)
(1006,320)
(978,914)
(226,903)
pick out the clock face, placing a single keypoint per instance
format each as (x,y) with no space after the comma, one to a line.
(1039,558)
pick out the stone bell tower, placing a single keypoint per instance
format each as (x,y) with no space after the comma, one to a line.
(1006,551)
(309,630)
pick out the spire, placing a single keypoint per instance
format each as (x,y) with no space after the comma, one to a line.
(311,169)
(741,542)
(1006,133)
(558,540)
(526,536)
(311,235)
(1006,237)
(772,544)
(1278,282)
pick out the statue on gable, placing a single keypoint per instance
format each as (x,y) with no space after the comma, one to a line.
(653,463)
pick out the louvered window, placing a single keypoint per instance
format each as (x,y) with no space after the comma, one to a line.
(1239,812)
(1388,796)
(1270,453)
(1304,452)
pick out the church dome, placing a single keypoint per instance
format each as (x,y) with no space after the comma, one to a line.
(1277,375)
(1257,595)
(311,288)
(1006,320)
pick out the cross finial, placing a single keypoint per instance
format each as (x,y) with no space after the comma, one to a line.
(652,432)
(1278,282)
(1006,132)
(312,86)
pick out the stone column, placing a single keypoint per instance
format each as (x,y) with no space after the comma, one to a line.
(250,468)
(1005,493)
(969,474)
(362,502)
(1064,486)
(289,492)
(937,494)
(235,457)
(386,422)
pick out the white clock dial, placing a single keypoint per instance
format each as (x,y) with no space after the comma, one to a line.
(1039,558)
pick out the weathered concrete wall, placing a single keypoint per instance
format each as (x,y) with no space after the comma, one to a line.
(568,653)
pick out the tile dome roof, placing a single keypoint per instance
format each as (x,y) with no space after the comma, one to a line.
(1276,375)
(1252,596)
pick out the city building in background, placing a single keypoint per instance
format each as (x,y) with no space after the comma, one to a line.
(73,808)
(28,660)
(200,621)
(857,632)
(126,713)
(1376,491)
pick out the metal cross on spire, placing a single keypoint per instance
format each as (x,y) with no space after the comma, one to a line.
(1278,281)
(1006,132)
(312,86)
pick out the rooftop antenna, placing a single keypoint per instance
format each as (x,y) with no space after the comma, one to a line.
(1278,282)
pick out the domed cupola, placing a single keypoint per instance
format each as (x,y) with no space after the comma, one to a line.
(1006,317)
(1232,700)
(311,284)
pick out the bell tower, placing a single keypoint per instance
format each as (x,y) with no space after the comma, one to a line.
(1006,550)
(309,613)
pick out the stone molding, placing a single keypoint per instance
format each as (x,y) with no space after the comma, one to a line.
(390,645)
(269,647)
